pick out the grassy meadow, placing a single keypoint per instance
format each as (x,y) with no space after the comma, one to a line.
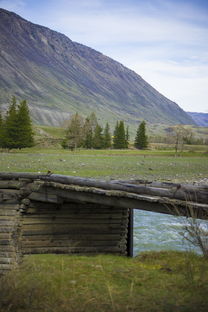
(156,282)
(155,164)
(151,282)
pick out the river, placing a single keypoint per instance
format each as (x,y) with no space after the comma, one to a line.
(156,231)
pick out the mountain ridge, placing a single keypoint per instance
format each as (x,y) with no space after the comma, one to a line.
(51,71)
(201,119)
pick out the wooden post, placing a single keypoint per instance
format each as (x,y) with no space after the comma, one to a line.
(130,234)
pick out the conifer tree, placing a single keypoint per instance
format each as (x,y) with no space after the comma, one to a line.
(107,137)
(25,132)
(16,128)
(11,131)
(141,137)
(98,137)
(1,130)
(127,136)
(119,140)
(88,134)
(115,136)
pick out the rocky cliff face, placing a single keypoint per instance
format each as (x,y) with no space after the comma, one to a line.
(52,72)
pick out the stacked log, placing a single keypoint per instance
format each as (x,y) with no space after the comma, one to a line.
(9,225)
(74,228)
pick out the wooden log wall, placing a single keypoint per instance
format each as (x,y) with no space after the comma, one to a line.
(74,228)
(10,225)
(34,220)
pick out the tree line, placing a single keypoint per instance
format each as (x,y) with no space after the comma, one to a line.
(16,126)
(88,133)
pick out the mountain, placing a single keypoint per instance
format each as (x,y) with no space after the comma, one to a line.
(201,119)
(58,77)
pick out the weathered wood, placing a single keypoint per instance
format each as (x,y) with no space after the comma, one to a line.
(72,237)
(6,260)
(130,235)
(11,184)
(178,191)
(68,250)
(7,212)
(69,243)
(69,215)
(44,197)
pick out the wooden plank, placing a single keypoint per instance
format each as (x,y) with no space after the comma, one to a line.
(8,254)
(44,197)
(130,234)
(60,236)
(6,222)
(69,230)
(11,184)
(7,248)
(7,212)
(5,267)
(75,216)
(6,242)
(59,243)
(7,260)
(179,192)
(5,235)
(72,221)
(68,250)
(6,229)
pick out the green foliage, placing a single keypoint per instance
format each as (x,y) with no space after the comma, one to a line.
(98,138)
(152,281)
(119,139)
(141,137)
(107,137)
(74,132)
(16,127)
(24,126)
(88,133)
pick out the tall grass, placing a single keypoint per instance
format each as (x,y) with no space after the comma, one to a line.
(157,282)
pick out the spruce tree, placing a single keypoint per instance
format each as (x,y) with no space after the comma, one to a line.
(1,130)
(107,137)
(141,137)
(119,140)
(25,132)
(98,137)
(11,131)
(115,136)
(127,136)
(88,134)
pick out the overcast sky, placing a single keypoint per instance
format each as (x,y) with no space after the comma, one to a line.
(164,41)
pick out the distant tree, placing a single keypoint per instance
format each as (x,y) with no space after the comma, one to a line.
(88,134)
(11,131)
(74,132)
(180,135)
(98,137)
(93,121)
(119,138)
(24,124)
(127,136)
(141,141)
(107,137)
(1,130)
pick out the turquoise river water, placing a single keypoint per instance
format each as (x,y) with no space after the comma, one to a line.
(156,231)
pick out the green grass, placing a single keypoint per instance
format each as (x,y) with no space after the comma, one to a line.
(156,282)
(109,164)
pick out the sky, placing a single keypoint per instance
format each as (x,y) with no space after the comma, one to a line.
(164,41)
